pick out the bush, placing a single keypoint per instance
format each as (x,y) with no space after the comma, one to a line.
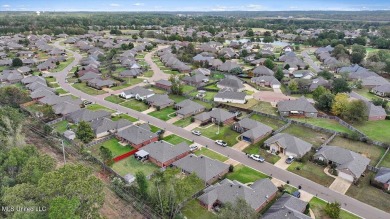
(231,168)
(192,119)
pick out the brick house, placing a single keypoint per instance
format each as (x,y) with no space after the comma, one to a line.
(137,136)
(163,153)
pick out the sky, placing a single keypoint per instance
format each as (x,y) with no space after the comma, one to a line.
(192,5)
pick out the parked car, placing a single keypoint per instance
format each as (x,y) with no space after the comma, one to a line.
(297,194)
(221,143)
(194,147)
(160,132)
(196,132)
(257,157)
(289,159)
(86,102)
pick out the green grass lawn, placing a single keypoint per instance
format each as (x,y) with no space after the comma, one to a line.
(164,114)
(187,88)
(115,99)
(194,210)
(183,122)
(124,116)
(255,149)
(264,107)
(98,107)
(113,145)
(207,105)
(61,127)
(365,92)
(245,174)
(209,95)
(88,90)
(376,130)
(53,85)
(386,161)
(61,91)
(148,74)
(129,82)
(318,205)
(368,194)
(273,123)
(218,75)
(135,105)
(157,90)
(154,129)
(370,151)
(177,98)
(311,171)
(211,154)
(325,123)
(132,166)
(175,139)
(212,86)
(248,105)
(225,133)
(307,134)
(63,65)
(50,80)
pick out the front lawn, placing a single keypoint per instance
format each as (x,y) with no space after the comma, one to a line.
(114,99)
(245,174)
(61,91)
(183,122)
(194,210)
(124,116)
(132,166)
(370,151)
(264,107)
(311,171)
(135,105)
(211,154)
(325,123)
(88,90)
(157,90)
(314,137)
(255,149)
(225,134)
(113,145)
(376,130)
(175,139)
(164,114)
(148,74)
(98,107)
(273,123)
(63,65)
(318,205)
(129,82)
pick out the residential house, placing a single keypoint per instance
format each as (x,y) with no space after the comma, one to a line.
(374,112)
(216,115)
(64,108)
(207,169)
(55,99)
(89,76)
(87,115)
(382,178)
(228,66)
(288,48)
(232,83)
(196,80)
(230,97)
(130,73)
(251,131)
(40,93)
(288,207)
(100,84)
(160,101)
(164,84)
(24,70)
(298,107)
(137,92)
(349,165)
(103,126)
(288,145)
(137,136)
(257,195)
(320,81)
(258,62)
(382,90)
(163,153)
(188,108)
(203,71)
(11,76)
(262,71)
(266,81)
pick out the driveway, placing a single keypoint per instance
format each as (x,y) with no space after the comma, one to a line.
(192,126)
(241,145)
(151,109)
(281,163)
(348,203)
(173,120)
(340,185)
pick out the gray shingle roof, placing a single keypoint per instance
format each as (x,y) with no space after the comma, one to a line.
(138,90)
(290,143)
(383,175)
(232,95)
(301,104)
(136,134)
(262,70)
(164,151)
(87,115)
(234,84)
(221,115)
(104,124)
(65,108)
(159,99)
(288,207)
(188,106)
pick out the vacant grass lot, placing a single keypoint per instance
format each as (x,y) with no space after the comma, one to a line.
(98,107)
(264,107)
(307,134)
(88,90)
(135,105)
(325,123)
(211,154)
(225,133)
(175,139)
(115,99)
(129,82)
(318,205)
(370,151)
(376,130)
(245,174)
(273,123)
(132,166)
(124,116)
(311,171)
(113,145)
(164,114)
(183,122)
(194,210)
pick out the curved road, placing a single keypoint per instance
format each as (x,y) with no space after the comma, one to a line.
(347,203)
(310,61)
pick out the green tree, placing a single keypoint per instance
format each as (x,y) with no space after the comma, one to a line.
(333,210)
(131,45)
(293,85)
(320,90)
(11,127)
(279,74)
(340,104)
(35,167)
(84,132)
(240,209)
(287,66)
(142,183)
(325,74)
(177,86)
(17,62)
(268,39)
(358,53)
(236,71)
(340,85)
(13,96)
(356,111)
(63,208)
(325,102)
(106,155)
(269,64)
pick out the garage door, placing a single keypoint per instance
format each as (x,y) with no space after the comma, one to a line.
(246,139)
(345,176)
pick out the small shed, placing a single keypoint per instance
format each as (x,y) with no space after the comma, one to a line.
(129,178)
(69,134)
(141,155)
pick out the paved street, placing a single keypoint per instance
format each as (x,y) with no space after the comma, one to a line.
(310,61)
(325,193)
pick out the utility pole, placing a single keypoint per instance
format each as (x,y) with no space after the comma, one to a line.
(63,150)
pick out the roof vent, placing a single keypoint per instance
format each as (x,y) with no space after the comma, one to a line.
(239,186)
(266,196)
(231,185)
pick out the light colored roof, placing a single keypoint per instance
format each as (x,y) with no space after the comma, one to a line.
(287,207)
(164,151)
(290,143)
(136,134)
(383,175)
(301,104)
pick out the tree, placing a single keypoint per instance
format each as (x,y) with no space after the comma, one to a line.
(287,67)
(142,183)
(244,53)
(35,167)
(131,45)
(357,111)
(106,155)
(177,86)
(240,209)
(63,208)
(325,102)
(325,74)
(16,62)
(48,112)
(236,71)
(340,104)
(358,53)
(340,85)
(268,39)
(84,132)
(11,126)
(279,74)
(380,102)
(293,85)
(13,96)
(269,64)
(320,90)
(333,210)
(360,41)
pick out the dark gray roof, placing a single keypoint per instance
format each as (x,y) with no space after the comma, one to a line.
(203,116)
(54,99)
(87,115)
(164,82)
(138,90)
(257,132)
(159,99)
(136,134)
(287,207)
(65,108)
(233,83)
(232,95)
(31,79)
(385,88)
(383,175)
(41,93)
(262,79)
(221,115)
(164,151)
(204,167)
(262,70)
(228,66)
(301,104)
(290,143)
(104,124)
(188,106)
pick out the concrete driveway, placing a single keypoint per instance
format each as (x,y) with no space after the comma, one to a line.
(340,185)
(192,126)
(151,109)
(173,120)
(241,145)
(282,162)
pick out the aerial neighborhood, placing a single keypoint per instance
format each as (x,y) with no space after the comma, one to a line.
(234,117)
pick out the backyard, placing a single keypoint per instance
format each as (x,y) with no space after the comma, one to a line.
(314,137)
(245,174)
(175,139)
(114,99)
(88,90)
(273,123)
(194,210)
(376,130)
(312,172)
(135,105)
(264,107)
(211,154)
(62,126)
(132,166)
(386,161)
(318,205)
(63,65)
(164,114)
(129,82)
(248,105)
(113,145)
(325,123)
(225,133)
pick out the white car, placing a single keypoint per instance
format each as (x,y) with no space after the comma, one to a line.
(221,143)
(194,147)
(256,157)
(196,132)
